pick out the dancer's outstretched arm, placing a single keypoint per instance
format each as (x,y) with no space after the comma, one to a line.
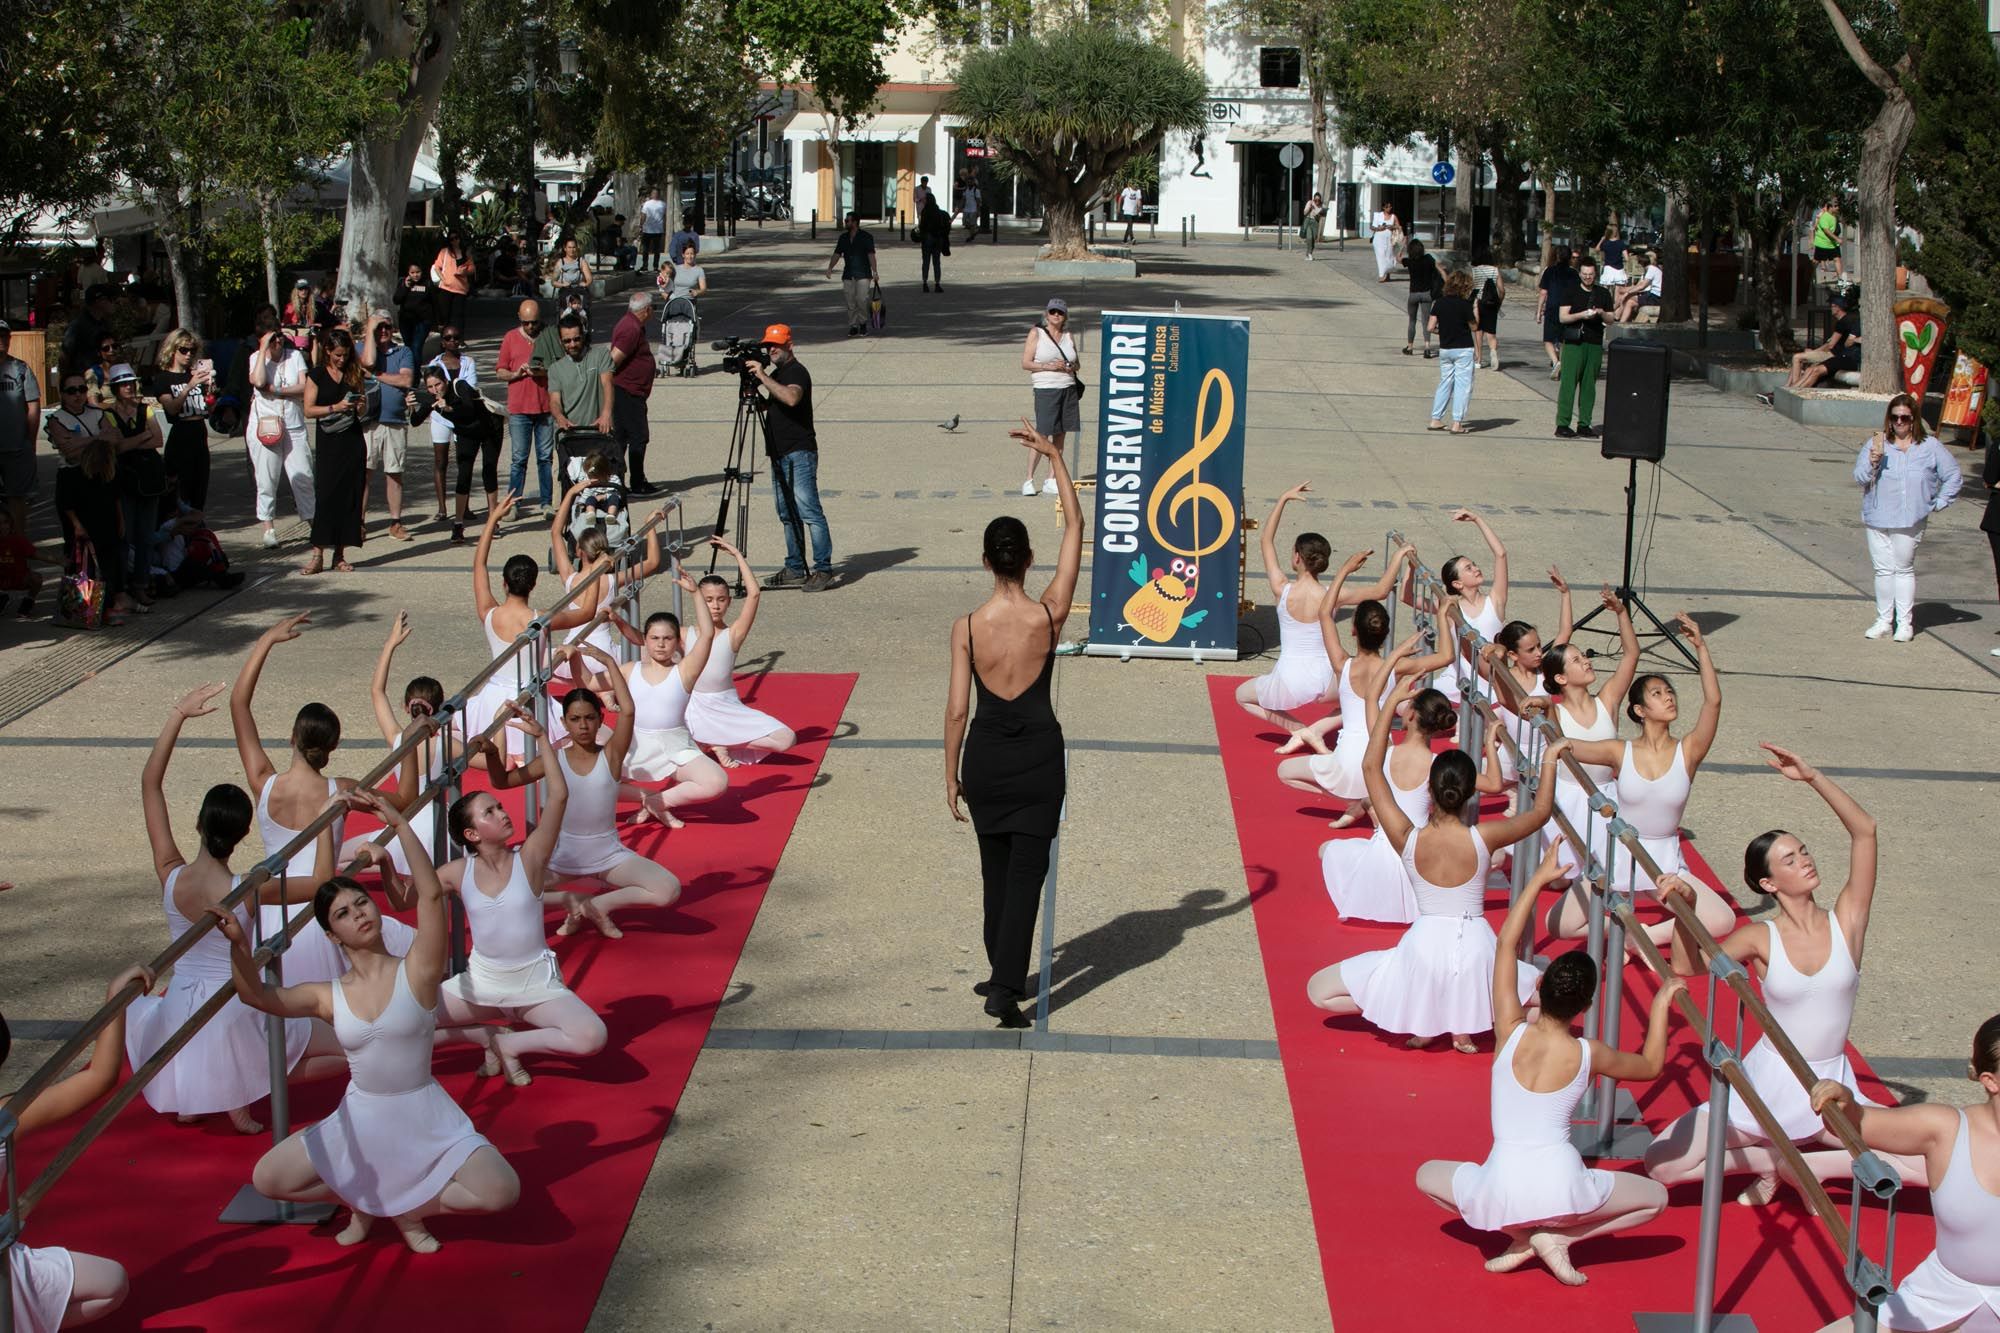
(1696,744)
(257,766)
(198,702)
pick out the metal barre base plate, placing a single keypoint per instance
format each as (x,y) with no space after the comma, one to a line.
(1685,1323)
(249,1208)
(1629,1136)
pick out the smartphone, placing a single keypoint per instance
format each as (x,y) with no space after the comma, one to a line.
(205,366)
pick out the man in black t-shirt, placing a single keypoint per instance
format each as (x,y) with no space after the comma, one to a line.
(1841,351)
(1584,308)
(794,452)
(855,253)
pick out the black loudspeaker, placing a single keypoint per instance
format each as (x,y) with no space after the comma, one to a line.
(1636,375)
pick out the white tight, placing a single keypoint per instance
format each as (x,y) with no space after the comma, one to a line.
(564,1025)
(1893,553)
(1681,1153)
(291,460)
(485,1183)
(1634,1201)
(98,1287)
(1569,919)
(636,881)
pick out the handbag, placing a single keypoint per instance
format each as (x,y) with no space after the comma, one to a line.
(80,598)
(270,430)
(878,310)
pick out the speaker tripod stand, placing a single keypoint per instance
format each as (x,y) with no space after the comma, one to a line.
(1631,600)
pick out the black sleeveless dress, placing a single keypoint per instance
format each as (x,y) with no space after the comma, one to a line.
(1012,769)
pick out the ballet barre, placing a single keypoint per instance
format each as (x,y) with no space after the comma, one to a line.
(268,951)
(1612,922)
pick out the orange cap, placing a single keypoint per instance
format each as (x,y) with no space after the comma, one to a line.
(778,333)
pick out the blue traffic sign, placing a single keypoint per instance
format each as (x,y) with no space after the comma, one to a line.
(1442,173)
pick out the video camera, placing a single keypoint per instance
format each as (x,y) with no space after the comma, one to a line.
(737,353)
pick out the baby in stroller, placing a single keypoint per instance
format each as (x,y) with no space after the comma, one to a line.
(602,504)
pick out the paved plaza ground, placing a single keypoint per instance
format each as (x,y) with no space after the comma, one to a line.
(833,1165)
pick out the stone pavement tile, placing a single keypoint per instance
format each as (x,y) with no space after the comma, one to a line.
(831,1190)
(1133,1171)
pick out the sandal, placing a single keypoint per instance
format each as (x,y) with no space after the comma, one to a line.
(1435,425)
(343,567)
(1457,429)
(312,566)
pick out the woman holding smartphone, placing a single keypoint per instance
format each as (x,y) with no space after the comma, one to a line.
(340,453)
(185,386)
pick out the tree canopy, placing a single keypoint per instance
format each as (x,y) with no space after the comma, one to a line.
(1950,191)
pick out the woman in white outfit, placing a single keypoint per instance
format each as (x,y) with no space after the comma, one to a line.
(503,621)
(226,1066)
(1384,228)
(590,544)
(1359,675)
(1304,673)
(1654,774)
(587,846)
(1478,605)
(1582,715)
(50,1287)
(288,801)
(1365,876)
(280,446)
(397,1146)
(1437,979)
(1517,651)
(1809,960)
(511,973)
(1533,1185)
(717,715)
(1050,357)
(662,748)
(1958,1285)
(1906,475)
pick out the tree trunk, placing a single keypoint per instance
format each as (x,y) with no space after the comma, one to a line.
(1469,157)
(1548,219)
(1065,218)
(188,317)
(379,171)
(1510,208)
(265,222)
(1882,145)
(1674,263)
(1764,240)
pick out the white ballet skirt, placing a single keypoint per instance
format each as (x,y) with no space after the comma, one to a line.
(1533,1175)
(1961,1277)
(41,1279)
(1934,1297)
(1340,771)
(312,955)
(1815,1012)
(500,688)
(1303,674)
(1439,977)
(1445,681)
(227,1063)
(716,715)
(1365,876)
(587,845)
(511,965)
(1571,798)
(660,739)
(397,1138)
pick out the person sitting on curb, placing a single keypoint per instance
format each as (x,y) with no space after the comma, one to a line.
(1841,351)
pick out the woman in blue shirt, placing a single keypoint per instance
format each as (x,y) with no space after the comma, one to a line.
(1905,477)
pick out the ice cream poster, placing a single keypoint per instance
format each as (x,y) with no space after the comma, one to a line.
(1171,407)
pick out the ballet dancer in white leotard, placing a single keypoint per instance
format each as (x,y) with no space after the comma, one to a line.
(1476,604)
(1810,962)
(1435,981)
(1583,716)
(1303,674)
(512,974)
(1958,1286)
(717,716)
(52,1287)
(504,620)
(587,846)
(288,801)
(1654,775)
(1517,651)
(1533,1185)
(591,544)
(226,1065)
(662,749)
(397,1146)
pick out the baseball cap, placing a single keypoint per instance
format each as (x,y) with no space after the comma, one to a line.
(302,282)
(1841,299)
(1058,306)
(122,373)
(778,333)
(5,328)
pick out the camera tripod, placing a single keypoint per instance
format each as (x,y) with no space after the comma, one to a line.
(1625,594)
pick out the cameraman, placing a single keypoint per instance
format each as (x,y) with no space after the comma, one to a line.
(794,452)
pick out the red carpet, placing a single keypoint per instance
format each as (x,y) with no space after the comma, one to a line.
(1368,1112)
(582,1136)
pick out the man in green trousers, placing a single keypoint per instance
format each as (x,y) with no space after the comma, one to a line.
(1585,311)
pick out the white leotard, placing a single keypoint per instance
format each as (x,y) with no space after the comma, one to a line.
(1570,796)
(716,715)
(1533,1173)
(312,954)
(1653,807)
(1303,673)
(300,867)
(1962,1275)
(660,739)
(1487,621)
(1815,1011)
(499,688)
(588,843)
(40,1281)
(511,965)
(1364,876)
(1340,772)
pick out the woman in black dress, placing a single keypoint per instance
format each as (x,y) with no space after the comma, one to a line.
(340,452)
(1011,773)
(185,387)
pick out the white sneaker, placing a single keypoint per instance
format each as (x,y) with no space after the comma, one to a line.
(1993,652)
(270,536)
(1049,486)
(1028,487)
(1878,629)
(1904,634)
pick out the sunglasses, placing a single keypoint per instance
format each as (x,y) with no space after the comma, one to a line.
(448,337)
(1901,416)
(73,388)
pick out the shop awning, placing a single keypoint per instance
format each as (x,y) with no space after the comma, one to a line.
(888,127)
(1301,134)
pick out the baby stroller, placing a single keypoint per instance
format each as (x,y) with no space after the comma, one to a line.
(603,506)
(680,328)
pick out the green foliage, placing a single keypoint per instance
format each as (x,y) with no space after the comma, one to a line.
(1950,188)
(57,80)
(234,245)
(834,45)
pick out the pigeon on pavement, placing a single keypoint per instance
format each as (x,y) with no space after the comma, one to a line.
(951,425)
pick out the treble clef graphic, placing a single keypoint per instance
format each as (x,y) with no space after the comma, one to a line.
(1208,438)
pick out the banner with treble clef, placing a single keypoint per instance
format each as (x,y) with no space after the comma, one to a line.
(1172,397)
